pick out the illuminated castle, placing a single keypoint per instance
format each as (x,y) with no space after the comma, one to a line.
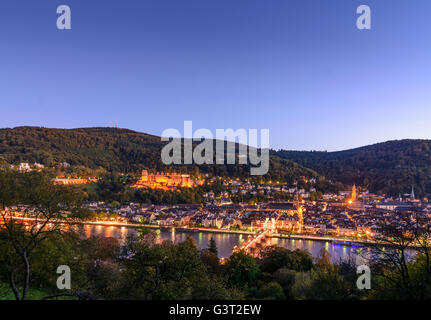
(166,181)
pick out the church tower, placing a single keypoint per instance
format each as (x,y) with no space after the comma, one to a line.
(354,195)
(412,195)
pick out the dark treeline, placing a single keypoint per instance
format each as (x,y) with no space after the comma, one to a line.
(118,150)
(392,167)
(146,269)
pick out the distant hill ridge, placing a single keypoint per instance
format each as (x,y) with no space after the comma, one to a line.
(121,150)
(391,167)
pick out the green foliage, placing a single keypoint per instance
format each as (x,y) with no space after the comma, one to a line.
(392,284)
(391,167)
(117,150)
(29,254)
(274,258)
(55,250)
(33,294)
(273,291)
(168,271)
(241,269)
(286,278)
(213,246)
(326,281)
(210,260)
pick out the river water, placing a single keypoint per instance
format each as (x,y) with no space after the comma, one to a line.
(226,241)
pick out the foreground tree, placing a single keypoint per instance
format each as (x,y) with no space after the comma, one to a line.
(44,206)
(401,258)
(326,281)
(213,246)
(166,270)
(241,269)
(274,258)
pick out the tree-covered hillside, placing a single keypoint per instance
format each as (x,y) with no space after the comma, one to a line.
(391,167)
(118,150)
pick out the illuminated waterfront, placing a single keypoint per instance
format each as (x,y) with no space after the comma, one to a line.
(226,241)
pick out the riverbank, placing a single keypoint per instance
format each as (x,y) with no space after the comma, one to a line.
(344,241)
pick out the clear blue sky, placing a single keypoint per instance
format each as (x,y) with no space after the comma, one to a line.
(297,67)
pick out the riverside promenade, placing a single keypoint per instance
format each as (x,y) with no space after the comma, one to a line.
(199,229)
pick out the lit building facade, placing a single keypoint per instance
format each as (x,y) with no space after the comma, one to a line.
(168,181)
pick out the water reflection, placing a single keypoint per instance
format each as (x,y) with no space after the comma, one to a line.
(226,241)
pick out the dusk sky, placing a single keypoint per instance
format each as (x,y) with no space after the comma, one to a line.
(298,67)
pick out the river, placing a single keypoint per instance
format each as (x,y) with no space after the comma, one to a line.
(226,241)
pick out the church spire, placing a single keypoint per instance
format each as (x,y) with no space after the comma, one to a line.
(412,195)
(354,196)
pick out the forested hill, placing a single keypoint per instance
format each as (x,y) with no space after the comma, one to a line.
(391,167)
(115,149)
